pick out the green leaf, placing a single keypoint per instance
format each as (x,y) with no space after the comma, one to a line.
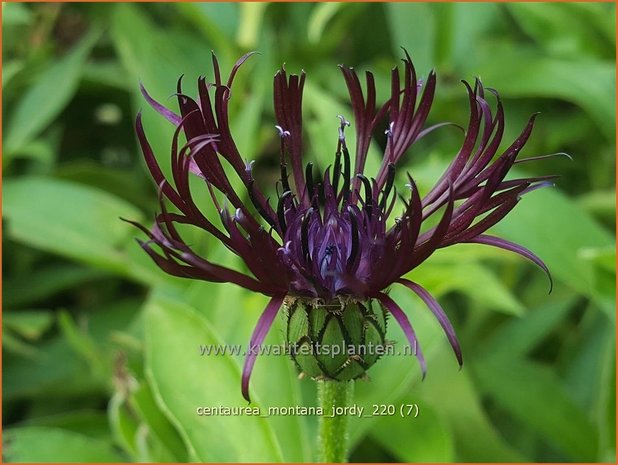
(55,371)
(144,402)
(83,344)
(122,423)
(174,333)
(546,23)
(520,72)
(44,444)
(533,395)
(451,393)
(250,23)
(91,423)
(465,277)
(319,19)
(15,14)
(74,221)
(16,345)
(218,22)
(29,324)
(519,336)
(46,282)
(425,438)
(557,230)
(48,96)
(11,68)
(412,26)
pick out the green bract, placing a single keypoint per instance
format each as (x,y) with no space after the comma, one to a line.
(338,341)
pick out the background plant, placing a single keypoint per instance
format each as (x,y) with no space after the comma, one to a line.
(101,350)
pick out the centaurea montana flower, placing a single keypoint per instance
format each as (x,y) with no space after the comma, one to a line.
(329,244)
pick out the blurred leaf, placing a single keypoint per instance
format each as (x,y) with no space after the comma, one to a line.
(11,68)
(217,21)
(319,19)
(55,372)
(30,324)
(45,282)
(412,26)
(454,397)
(600,204)
(425,438)
(122,423)
(106,73)
(603,257)
(15,14)
(122,183)
(88,422)
(520,72)
(465,278)
(45,444)
(544,222)
(607,406)
(47,97)
(174,332)
(41,151)
(144,403)
(545,22)
(519,336)
(250,25)
(471,25)
(533,395)
(83,344)
(14,344)
(72,220)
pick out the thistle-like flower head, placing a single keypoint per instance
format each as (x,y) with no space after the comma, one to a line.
(333,237)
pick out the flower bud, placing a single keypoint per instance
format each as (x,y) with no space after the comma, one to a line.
(339,341)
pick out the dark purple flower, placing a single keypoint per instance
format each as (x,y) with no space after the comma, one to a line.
(328,237)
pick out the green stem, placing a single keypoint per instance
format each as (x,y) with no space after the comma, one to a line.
(332,434)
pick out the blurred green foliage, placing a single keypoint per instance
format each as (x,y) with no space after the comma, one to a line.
(100,348)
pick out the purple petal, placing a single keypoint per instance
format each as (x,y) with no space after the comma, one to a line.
(512,247)
(543,157)
(259,333)
(436,309)
(430,129)
(163,111)
(403,321)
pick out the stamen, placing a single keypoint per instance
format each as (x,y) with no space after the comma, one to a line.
(249,168)
(354,237)
(258,206)
(368,194)
(337,172)
(309,179)
(304,235)
(344,123)
(282,132)
(281,210)
(390,179)
(284,167)
(390,131)
(346,174)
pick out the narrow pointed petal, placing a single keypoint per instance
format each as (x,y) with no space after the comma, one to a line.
(162,110)
(259,333)
(512,247)
(403,321)
(436,309)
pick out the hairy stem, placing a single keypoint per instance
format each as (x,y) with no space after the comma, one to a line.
(332,434)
